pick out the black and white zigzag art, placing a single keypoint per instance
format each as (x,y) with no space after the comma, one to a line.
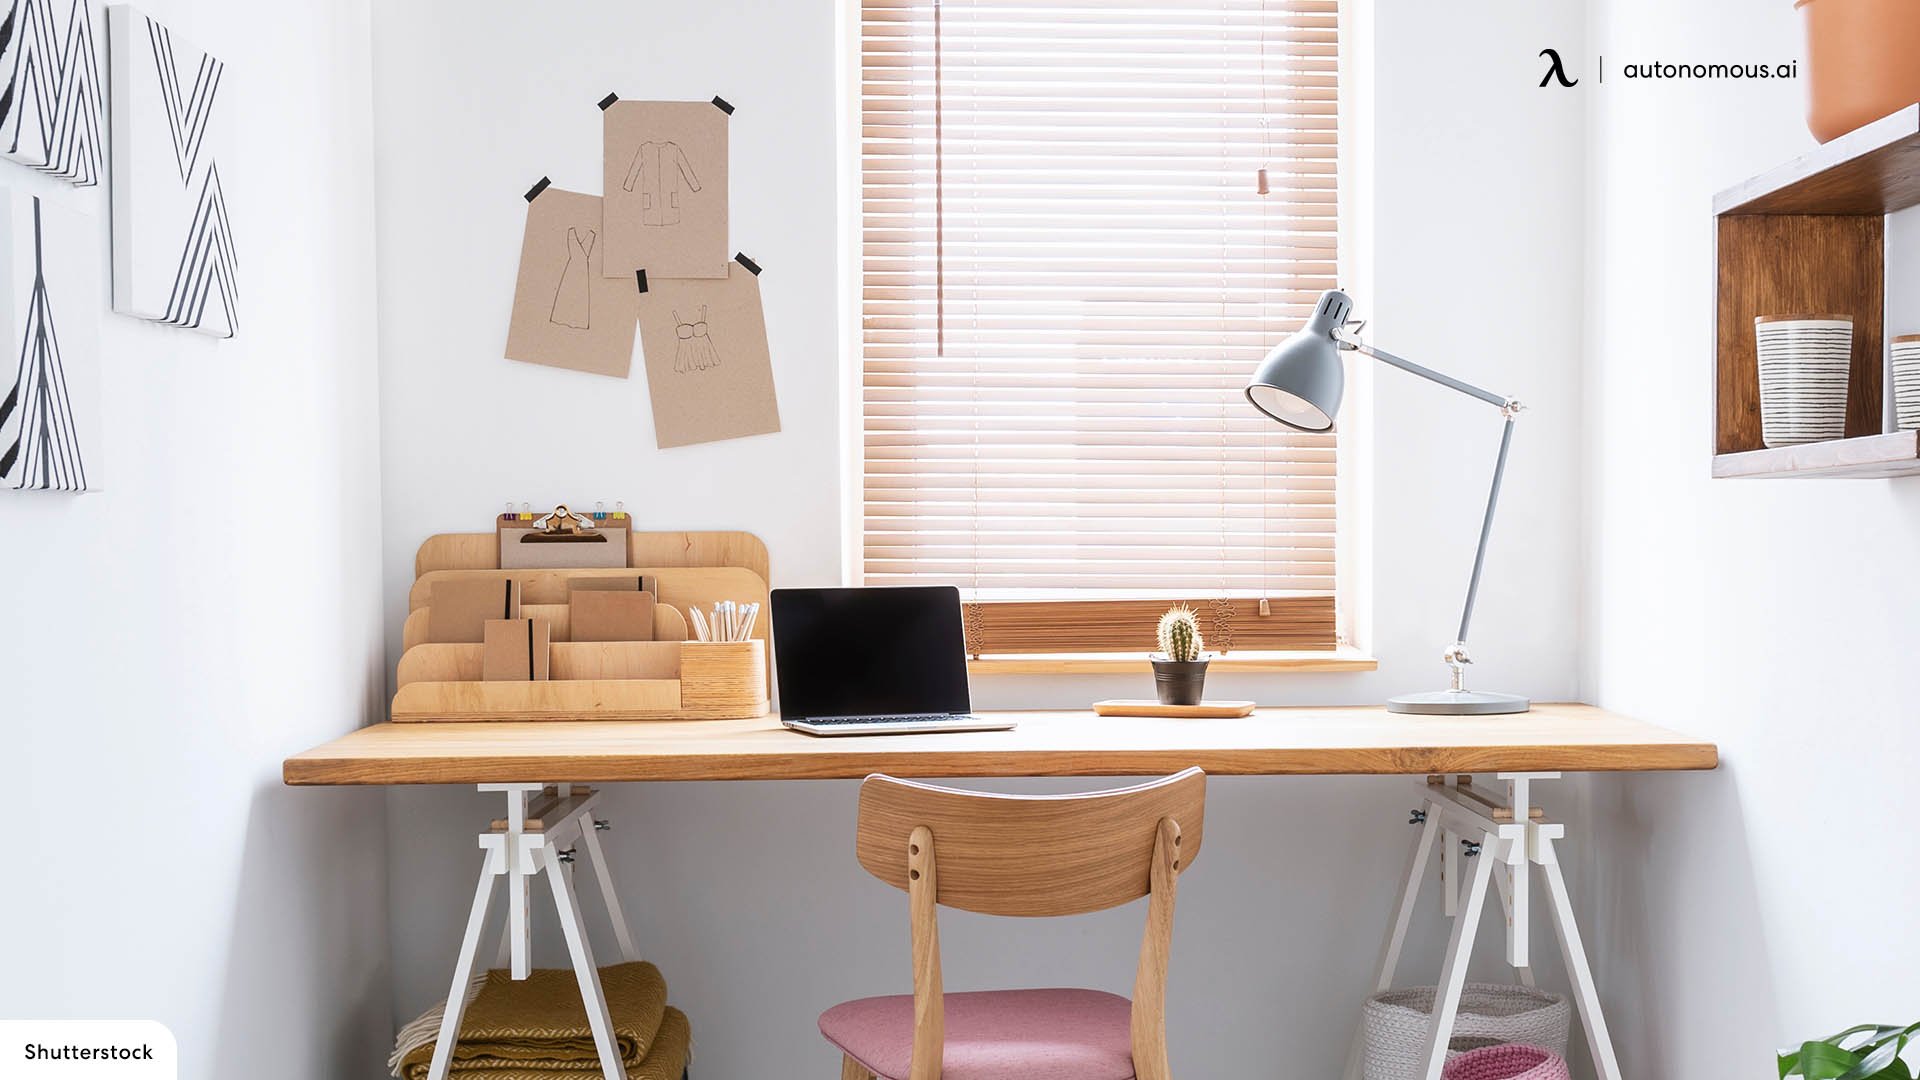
(40,440)
(50,109)
(174,259)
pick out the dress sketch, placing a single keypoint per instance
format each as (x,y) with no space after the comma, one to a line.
(657,171)
(573,300)
(694,350)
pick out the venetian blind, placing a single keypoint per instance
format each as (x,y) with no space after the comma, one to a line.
(1068,275)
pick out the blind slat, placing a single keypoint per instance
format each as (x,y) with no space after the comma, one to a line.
(1066,278)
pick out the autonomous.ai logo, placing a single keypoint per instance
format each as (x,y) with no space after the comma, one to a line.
(1555,69)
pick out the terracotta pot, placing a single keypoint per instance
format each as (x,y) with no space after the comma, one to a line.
(1863,62)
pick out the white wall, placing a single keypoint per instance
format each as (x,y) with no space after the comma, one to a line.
(1770,901)
(173,637)
(747,894)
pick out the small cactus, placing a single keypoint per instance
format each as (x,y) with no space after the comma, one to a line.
(1179,634)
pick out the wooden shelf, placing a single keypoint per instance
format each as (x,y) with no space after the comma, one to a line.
(1866,458)
(1872,170)
(1809,236)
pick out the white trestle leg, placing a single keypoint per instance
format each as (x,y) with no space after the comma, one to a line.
(1453,974)
(456,1007)
(1504,841)
(531,840)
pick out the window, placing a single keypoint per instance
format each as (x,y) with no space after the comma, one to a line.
(1067,275)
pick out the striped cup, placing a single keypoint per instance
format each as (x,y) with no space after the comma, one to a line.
(1803,377)
(1906,381)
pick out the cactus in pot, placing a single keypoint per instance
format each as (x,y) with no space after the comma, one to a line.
(1179,675)
(1179,634)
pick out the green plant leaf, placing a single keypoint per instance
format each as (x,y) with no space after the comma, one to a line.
(1825,1061)
(1878,1057)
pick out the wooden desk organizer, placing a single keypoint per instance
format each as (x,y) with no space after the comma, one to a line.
(666,679)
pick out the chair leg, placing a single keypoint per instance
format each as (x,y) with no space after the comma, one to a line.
(853,1070)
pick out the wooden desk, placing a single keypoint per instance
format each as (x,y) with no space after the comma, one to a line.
(1551,738)
(1482,834)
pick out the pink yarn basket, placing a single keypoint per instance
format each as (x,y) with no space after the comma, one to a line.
(1512,1061)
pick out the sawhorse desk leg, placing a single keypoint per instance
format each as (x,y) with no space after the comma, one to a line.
(520,847)
(1504,839)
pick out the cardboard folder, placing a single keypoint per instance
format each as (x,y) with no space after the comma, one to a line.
(516,650)
(460,607)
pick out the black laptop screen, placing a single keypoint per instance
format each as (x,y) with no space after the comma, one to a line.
(869,652)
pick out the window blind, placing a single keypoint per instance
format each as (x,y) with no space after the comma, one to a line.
(1067,276)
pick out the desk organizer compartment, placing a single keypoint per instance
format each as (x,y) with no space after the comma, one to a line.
(669,678)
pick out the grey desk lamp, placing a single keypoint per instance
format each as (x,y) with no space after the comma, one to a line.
(1300,384)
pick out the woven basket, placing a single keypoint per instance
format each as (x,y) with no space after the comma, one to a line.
(1514,1061)
(1397,1022)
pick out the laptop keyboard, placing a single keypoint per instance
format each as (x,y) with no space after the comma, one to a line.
(836,720)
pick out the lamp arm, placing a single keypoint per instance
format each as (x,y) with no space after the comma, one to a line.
(1486,528)
(1349,342)
(1456,655)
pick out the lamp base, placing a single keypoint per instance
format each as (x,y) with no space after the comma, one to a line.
(1459,703)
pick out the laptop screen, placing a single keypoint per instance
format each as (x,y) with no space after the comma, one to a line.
(869,652)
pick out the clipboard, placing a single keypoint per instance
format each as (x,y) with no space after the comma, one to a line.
(564,540)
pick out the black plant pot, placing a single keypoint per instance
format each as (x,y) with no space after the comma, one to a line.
(1179,682)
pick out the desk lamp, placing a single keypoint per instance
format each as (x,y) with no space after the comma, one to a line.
(1300,384)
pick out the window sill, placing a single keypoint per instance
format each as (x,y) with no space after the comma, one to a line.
(1339,660)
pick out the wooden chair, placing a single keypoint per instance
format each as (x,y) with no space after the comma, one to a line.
(1021,855)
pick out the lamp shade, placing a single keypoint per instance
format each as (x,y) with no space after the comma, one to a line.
(1301,381)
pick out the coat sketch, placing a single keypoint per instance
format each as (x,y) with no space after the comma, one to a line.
(573,300)
(658,169)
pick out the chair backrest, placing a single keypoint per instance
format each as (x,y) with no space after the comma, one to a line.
(1030,855)
(1034,855)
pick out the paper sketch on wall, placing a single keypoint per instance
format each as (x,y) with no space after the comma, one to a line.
(173,251)
(665,174)
(693,349)
(49,416)
(658,172)
(566,313)
(50,110)
(573,297)
(704,341)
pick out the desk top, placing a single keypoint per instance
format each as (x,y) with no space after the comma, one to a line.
(1573,738)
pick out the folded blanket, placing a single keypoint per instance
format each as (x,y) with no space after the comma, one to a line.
(536,1029)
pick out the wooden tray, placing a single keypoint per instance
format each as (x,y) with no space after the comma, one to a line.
(681,587)
(652,680)
(668,623)
(1213,709)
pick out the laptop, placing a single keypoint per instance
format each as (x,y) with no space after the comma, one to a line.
(883,661)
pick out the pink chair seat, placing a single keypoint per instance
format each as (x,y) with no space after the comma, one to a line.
(995,1035)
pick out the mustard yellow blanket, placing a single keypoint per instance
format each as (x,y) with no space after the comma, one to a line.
(537,1029)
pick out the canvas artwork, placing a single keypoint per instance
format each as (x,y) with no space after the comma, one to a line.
(709,372)
(665,179)
(566,312)
(50,110)
(50,323)
(173,250)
